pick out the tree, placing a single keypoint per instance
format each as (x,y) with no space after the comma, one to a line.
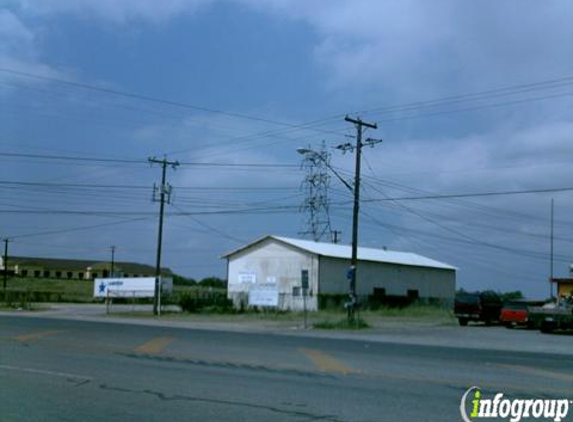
(213,281)
(509,296)
(179,280)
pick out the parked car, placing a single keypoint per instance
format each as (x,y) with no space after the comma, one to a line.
(516,313)
(478,307)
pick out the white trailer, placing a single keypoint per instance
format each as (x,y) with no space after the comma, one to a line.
(140,287)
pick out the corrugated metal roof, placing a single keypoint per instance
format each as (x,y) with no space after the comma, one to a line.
(364,254)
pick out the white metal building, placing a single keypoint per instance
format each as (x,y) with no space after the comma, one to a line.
(280,264)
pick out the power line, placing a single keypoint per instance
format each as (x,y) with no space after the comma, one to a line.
(447,100)
(132,161)
(490,93)
(451,99)
(465,235)
(369,200)
(478,107)
(151,99)
(108,186)
(212,229)
(73,158)
(472,195)
(74,229)
(460,202)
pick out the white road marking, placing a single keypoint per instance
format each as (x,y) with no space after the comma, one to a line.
(44,372)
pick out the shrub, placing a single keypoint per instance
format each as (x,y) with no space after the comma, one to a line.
(331,301)
(343,324)
(179,280)
(209,302)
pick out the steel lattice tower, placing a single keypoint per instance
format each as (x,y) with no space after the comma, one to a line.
(315,186)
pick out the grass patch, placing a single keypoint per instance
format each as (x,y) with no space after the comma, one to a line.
(21,291)
(414,311)
(342,324)
(23,306)
(26,290)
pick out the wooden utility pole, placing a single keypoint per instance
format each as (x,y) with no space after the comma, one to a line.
(112,275)
(164,196)
(5,265)
(352,272)
(551,253)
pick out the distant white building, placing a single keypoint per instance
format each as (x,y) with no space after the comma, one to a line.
(278,265)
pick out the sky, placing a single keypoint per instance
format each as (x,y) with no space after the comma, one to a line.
(473,102)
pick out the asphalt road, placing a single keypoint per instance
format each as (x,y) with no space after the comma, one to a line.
(63,370)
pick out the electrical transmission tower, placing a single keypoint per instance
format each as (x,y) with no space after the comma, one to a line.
(315,186)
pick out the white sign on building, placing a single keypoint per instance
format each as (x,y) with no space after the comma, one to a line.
(137,287)
(264,296)
(247,278)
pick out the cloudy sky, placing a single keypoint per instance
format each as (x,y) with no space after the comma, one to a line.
(469,98)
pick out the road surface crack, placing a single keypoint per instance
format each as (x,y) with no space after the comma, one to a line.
(178,397)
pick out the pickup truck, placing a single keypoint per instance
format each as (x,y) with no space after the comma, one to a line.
(477,307)
(516,313)
(553,316)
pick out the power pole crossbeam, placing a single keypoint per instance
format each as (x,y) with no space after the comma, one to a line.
(164,194)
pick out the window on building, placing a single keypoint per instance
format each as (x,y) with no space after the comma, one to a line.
(304,279)
(58,274)
(413,294)
(24,273)
(105,274)
(70,274)
(297,291)
(37,273)
(46,274)
(81,275)
(95,275)
(379,293)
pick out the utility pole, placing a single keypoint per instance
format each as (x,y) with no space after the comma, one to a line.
(352,272)
(551,254)
(164,196)
(5,262)
(112,261)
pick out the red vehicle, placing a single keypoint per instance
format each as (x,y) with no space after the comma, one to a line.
(517,313)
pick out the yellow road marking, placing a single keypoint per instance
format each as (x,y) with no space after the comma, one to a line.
(326,363)
(539,372)
(155,346)
(35,335)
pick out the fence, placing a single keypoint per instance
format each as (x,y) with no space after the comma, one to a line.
(128,300)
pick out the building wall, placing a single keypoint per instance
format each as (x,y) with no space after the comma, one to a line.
(564,289)
(273,261)
(395,279)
